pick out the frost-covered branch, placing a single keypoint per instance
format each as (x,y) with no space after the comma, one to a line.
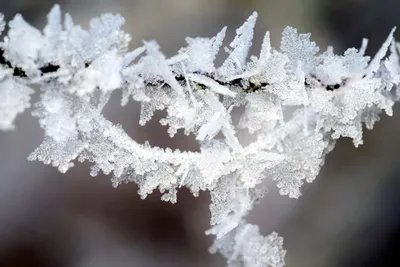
(296,101)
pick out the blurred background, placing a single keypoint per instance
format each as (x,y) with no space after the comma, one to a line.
(350,216)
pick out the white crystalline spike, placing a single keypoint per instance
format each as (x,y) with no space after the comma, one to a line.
(68,22)
(376,61)
(217,42)
(200,54)
(131,56)
(240,45)
(176,59)
(53,21)
(392,65)
(364,46)
(211,128)
(52,46)
(265,49)
(213,85)
(245,32)
(189,87)
(264,56)
(2,23)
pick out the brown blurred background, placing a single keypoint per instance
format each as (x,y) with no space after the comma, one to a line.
(350,216)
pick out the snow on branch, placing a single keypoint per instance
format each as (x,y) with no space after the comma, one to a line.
(328,96)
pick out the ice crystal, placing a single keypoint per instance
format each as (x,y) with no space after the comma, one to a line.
(296,102)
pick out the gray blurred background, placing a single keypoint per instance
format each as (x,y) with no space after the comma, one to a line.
(350,216)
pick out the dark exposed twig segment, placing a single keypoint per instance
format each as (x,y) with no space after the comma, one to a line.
(247,87)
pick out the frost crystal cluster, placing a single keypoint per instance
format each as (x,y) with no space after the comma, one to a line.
(296,101)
